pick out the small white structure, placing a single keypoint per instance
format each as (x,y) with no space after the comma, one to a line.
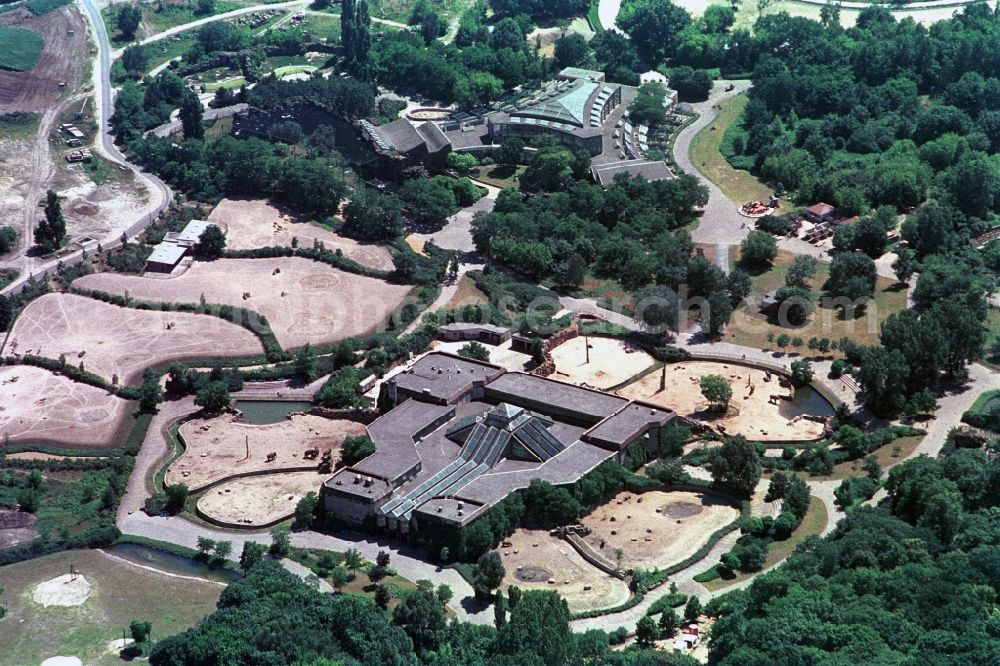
(192,232)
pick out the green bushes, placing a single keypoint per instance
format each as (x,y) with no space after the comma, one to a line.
(39,7)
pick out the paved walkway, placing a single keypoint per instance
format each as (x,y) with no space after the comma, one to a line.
(720,222)
(456,233)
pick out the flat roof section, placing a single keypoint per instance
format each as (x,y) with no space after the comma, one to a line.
(605,174)
(626,425)
(568,466)
(444,377)
(518,388)
(193,231)
(394,436)
(581,73)
(167,254)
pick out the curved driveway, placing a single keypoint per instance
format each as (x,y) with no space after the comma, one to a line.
(720,224)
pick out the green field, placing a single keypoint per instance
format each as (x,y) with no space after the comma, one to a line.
(19,48)
(119,594)
(39,7)
(736,184)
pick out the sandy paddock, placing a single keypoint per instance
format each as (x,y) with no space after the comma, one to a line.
(534,558)
(303,300)
(111,340)
(42,406)
(752,415)
(252,223)
(611,361)
(216,447)
(656,529)
(259,500)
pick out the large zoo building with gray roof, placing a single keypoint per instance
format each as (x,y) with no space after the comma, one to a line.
(466,434)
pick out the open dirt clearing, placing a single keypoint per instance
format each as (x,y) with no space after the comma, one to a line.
(611,362)
(259,500)
(65,590)
(751,413)
(252,223)
(119,593)
(216,448)
(61,61)
(537,561)
(656,529)
(110,340)
(42,406)
(305,301)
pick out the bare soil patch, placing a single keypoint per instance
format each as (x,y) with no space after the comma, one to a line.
(304,301)
(537,561)
(15,527)
(656,529)
(216,448)
(65,590)
(42,406)
(611,361)
(253,223)
(751,414)
(259,500)
(110,340)
(61,61)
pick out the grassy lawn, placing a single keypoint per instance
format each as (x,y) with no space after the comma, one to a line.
(398,586)
(232,83)
(751,329)
(813,523)
(468,293)
(739,186)
(992,333)
(288,70)
(18,125)
(19,48)
(119,594)
(498,176)
(886,456)
(168,16)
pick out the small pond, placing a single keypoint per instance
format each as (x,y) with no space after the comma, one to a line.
(262,412)
(806,401)
(164,561)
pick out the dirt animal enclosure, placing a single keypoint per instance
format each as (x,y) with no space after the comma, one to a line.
(303,300)
(252,223)
(42,406)
(611,361)
(535,560)
(753,412)
(656,529)
(110,340)
(259,500)
(216,448)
